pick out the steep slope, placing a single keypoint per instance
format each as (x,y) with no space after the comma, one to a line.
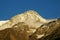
(48,31)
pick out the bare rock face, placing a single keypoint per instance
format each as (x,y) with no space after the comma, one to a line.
(30,26)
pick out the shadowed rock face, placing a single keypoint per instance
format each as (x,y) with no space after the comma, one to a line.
(49,31)
(29,26)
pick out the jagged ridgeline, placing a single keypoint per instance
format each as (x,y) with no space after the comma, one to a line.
(30,26)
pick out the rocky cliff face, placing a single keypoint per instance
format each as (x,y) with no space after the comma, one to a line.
(30,26)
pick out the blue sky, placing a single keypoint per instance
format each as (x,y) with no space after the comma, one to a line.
(46,8)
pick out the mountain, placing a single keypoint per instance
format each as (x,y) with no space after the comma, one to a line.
(30,16)
(29,26)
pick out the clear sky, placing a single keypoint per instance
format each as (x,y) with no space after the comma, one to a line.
(46,8)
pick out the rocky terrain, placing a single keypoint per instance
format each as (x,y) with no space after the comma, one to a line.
(30,26)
